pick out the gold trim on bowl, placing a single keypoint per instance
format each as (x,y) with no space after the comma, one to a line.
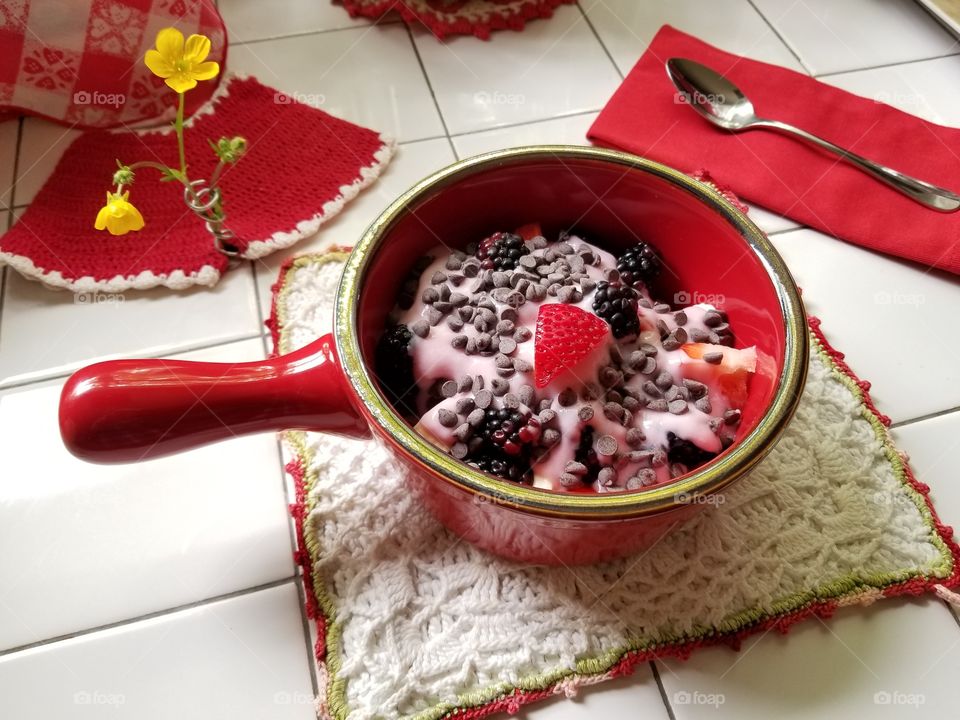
(710,478)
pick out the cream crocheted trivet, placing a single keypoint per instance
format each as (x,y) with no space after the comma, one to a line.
(413,622)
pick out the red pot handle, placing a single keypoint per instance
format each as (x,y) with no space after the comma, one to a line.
(129,410)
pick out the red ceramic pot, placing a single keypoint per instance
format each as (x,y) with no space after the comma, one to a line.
(129,410)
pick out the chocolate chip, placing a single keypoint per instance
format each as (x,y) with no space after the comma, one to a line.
(651,389)
(677,407)
(459,341)
(454,323)
(662,328)
(648,349)
(430,295)
(506,372)
(680,318)
(671,342)
(568,481)
(550,437)
(458,299)
(476,416)
(438,277)
(635,437)
(529,262)
(547,416)
(505,327)
(575,468)
(483,341)
(657,405)
(569,294)
(448,389)
(509,314)
(465,405)
(459,450)
(433,315)
(502,361)
(522,334)
(471,347)
(664,380)
(607,445)
(697,389)
(465,383)
(567,397)
(515,299)
(698,335)
(712,318)
(715,424)
(714,357)
(454,262)
(674,393)
(636,360)
(609,376)
(463,432)
(587,285)
(613,411)
(640,457)
(659,458)
(526,394)
(420,328)
(470,269)
(511,401)
(607,477)
(466,313)
(507,345)
(649,366)
(680,335)
(585,413)
(499,387)
(483,398)
(447,418)
(478,382)
(731,417)
(612,275)
(614,396)
(521,365)
(703,405)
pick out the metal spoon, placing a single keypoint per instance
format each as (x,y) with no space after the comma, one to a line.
(722,103)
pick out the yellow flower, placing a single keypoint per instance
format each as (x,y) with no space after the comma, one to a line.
(181,63)
(118,215)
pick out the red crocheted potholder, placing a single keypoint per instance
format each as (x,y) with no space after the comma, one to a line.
(301,166)
(459,17)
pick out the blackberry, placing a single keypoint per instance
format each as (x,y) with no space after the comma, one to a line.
(394,367)
(508,438)
(501,251)
(509,431)
(639,264)
(685,452)
(617,304)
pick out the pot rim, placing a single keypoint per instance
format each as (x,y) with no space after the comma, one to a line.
(708,479)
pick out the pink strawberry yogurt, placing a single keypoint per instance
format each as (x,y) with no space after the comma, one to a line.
(606,390)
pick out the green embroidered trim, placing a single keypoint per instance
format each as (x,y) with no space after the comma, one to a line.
(847,587)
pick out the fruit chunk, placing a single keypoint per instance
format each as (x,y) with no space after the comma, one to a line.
(501,251)
(731,374)
(617,304)
(639,264)
(565,336)
(529,231)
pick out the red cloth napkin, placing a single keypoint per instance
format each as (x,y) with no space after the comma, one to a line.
(786,175)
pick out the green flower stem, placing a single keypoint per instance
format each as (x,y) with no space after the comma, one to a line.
(178,128)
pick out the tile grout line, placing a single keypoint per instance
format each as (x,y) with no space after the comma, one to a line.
(662,689)
(922,418)
(606,50)
(308,33)
(886,65)
(510,126)
(780,37)
(433,95)
(55,375)
(147,616)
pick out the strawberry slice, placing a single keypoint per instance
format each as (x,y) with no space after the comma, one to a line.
(565,336)
(529,231)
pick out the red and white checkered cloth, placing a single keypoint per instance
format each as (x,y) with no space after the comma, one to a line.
(80,62)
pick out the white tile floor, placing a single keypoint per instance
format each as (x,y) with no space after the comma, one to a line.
(168,589)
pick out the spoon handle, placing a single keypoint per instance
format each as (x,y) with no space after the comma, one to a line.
(932,196)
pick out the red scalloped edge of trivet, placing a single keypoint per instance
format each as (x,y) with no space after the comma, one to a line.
(440,28)
(681,651)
